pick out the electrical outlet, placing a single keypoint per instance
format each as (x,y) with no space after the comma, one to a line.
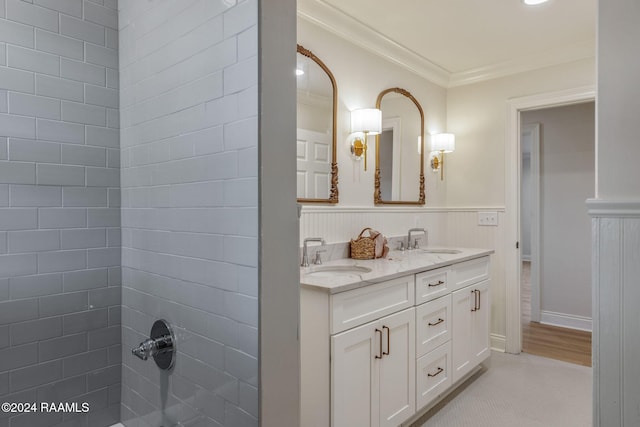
(488,218)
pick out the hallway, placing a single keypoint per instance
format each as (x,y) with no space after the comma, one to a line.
(569,345)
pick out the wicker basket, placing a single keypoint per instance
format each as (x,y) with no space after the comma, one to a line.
(364,247)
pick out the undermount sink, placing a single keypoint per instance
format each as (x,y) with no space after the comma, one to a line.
(338,270)
(440,251)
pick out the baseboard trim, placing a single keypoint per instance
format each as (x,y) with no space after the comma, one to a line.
(566,320)
(498,343)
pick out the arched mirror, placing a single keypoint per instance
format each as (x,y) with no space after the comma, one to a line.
(317,168)
(399,175)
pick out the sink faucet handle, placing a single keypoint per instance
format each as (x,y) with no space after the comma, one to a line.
(305,257)
(318,259)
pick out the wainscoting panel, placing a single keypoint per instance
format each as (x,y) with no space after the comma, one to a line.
(616,349)
(337,225)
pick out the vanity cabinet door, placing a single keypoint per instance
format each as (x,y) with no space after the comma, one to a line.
(471,315)
(397,369)
(480,324)
(463,301)
(354,376)
(373,373)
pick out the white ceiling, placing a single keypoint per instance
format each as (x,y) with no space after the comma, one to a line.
(455,42)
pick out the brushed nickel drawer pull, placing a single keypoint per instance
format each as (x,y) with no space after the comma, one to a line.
(438,372)
(437,323)
(432,285)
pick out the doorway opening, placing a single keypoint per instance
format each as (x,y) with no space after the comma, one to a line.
(557,174)
(513,259)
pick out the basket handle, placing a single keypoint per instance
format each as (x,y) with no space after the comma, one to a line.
(363,230)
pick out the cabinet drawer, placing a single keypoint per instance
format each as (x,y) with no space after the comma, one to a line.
(359,306)
(433,324)
(432,284)
(470,272)
(433,374)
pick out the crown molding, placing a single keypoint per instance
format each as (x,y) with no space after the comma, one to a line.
(347,27)
(557,56)
(328,17)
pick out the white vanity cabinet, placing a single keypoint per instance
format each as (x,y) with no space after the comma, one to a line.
(377,354)
(372,372)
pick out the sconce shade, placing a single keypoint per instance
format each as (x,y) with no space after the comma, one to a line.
(367,120)
(445,142)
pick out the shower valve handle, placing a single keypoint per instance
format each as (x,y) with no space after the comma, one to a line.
(161,346)
(151,347)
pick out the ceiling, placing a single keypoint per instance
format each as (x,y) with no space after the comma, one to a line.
(454,42)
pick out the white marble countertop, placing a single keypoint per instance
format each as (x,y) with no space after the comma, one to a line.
(396,264)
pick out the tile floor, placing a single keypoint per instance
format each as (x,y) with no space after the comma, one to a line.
(519,391)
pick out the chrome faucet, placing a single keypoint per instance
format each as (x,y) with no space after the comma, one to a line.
(305,257)
(417,230)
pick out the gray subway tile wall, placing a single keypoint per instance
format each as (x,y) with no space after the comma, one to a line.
(188,87)
(184,183)
(59,210)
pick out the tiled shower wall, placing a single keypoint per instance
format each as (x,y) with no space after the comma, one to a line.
(59,209)
(190,220)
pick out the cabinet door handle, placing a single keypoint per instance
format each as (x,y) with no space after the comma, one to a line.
(440,282)
(379,355)
(388,341)
(479,298)
(437,323)
(438,372)
(475,300)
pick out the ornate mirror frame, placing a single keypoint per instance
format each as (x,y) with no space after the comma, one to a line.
(333,191)
(377,195)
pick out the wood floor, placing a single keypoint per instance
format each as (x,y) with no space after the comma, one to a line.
(569,345)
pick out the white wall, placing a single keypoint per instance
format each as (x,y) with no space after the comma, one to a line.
(618,93)
(477,115)
(567,179)
(360,77)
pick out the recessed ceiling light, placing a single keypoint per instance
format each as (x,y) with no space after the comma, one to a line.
(534,2)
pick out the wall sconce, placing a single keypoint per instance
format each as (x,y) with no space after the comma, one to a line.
(369,122)
(442,143)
